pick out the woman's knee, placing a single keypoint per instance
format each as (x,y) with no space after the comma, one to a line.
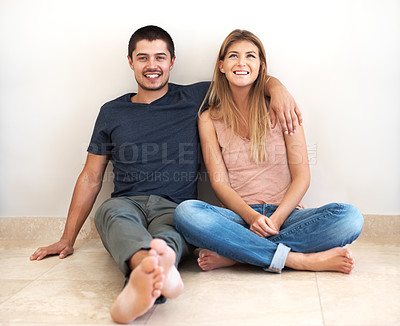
(186,210)
(193,215)
(352,219)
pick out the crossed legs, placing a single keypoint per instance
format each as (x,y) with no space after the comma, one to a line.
(310,239)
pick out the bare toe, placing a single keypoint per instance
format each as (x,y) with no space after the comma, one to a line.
(149,264)
(140,293)
(173,284)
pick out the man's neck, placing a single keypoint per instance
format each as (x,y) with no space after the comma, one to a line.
(148,96)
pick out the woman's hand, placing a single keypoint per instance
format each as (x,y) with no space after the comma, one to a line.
(263,226)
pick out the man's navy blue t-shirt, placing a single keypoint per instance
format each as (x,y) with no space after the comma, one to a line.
(153,147)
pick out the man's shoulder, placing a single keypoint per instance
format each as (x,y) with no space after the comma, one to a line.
(117,102)
(195,87)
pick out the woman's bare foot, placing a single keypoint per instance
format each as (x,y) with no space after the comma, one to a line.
(335,260)
(209,260)
(141,291)
(173,284)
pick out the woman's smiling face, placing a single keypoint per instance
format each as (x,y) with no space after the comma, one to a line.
(241,64)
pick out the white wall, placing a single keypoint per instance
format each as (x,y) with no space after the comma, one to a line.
(61,60)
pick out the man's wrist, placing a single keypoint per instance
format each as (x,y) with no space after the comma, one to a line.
(272,84)
(67,239)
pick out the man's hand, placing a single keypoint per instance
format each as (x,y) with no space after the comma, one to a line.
(63,247)
(283,107)
(263,226)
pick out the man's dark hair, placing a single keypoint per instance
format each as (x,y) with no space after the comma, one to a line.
(151,33)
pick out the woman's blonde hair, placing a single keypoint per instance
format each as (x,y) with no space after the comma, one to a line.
(222,106)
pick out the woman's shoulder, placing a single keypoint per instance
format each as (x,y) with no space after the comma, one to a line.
(205,119)
(205,115)
(208,117)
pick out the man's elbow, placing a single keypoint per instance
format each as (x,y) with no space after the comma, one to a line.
(91,181)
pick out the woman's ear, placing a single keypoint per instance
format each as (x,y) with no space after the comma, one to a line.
(262,67)
(221,66)
(262,70)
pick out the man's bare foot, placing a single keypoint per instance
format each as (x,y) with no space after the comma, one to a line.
(141,291)
(335,260)
(173,284)
(209,260)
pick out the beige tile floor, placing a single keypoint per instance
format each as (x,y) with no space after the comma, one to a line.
(80,289)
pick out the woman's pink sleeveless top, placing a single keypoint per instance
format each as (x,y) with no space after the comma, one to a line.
(265,183)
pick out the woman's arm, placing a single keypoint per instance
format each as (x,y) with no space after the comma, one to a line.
(283,107)
(299,169)
(259,224)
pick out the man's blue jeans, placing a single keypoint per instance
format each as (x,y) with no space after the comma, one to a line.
(305,230)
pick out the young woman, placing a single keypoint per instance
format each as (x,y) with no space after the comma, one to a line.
(260,175)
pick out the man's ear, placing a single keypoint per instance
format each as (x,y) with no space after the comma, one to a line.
(221,66)
(130,62)
(172,63)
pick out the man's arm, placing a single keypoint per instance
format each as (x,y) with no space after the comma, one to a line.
(282,106)
(85,193)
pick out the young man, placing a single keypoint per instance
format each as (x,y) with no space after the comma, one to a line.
(151,139)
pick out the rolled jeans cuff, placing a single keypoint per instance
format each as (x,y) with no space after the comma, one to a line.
(279,259)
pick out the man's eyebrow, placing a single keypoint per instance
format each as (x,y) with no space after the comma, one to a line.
(145,54)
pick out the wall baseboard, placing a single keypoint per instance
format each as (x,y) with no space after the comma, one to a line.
(41,228)
(381,226)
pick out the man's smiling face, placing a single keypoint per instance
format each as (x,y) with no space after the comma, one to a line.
(151,63)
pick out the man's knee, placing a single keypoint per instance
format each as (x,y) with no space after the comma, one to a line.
(119,207)
(107,207)
(101,214)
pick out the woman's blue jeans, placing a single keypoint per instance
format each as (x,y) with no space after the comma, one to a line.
(305,230)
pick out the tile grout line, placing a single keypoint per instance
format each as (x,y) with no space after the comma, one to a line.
(24,287)
(30,282)
(319,299)
(11,296)
(44,273)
